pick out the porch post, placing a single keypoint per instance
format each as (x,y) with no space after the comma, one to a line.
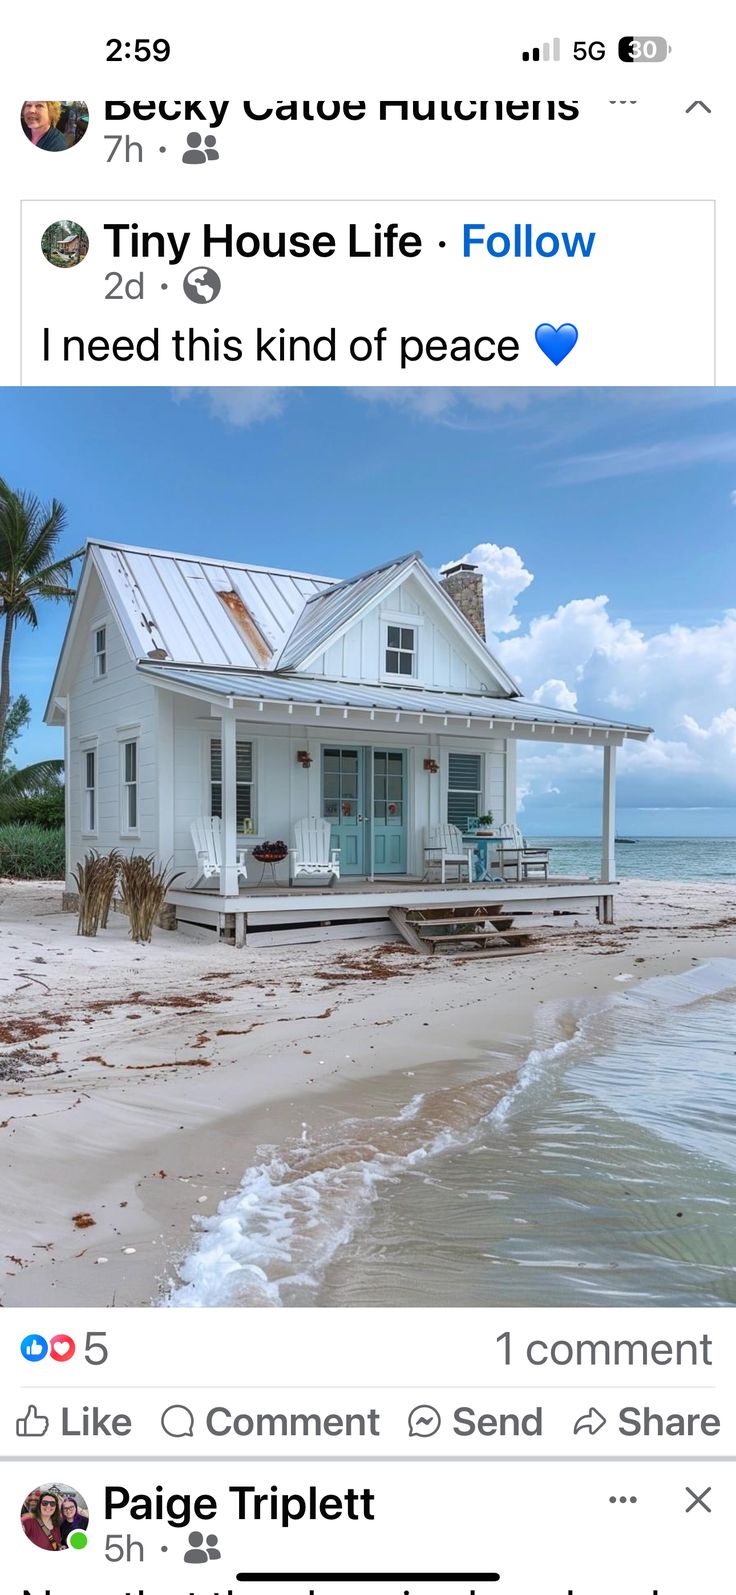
(165,793)
(372,812)
(608,854)
(229,873)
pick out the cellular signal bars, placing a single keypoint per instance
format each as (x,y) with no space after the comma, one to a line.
(545,52)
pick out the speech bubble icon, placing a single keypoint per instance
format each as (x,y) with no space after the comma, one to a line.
(178,1422)
(423,1422)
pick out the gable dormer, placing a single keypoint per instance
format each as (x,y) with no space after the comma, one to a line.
(398,625)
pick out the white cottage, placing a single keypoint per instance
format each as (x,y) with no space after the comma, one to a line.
(191,688)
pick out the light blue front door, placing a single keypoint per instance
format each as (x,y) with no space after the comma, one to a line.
(389,812)
(351,779)
(343,781)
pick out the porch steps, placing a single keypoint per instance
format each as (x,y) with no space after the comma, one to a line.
(476,928)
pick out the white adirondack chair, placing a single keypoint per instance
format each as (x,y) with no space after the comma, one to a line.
(445,846)
(207,839)
(532,860)
(311,854)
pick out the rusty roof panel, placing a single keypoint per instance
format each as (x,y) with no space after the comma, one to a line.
(198,611)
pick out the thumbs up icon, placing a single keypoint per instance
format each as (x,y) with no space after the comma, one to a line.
(33,1426)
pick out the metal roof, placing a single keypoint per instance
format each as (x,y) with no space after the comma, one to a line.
(199,610)
(327,612)
(305,690)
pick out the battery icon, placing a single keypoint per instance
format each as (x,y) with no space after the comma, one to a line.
(643,47)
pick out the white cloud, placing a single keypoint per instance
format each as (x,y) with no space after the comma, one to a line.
(450,406)
(239,407)
(732,496)
(505,577)
(556,694)
(681,680)
(639,459)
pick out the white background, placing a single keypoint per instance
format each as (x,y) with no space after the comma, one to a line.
(650,150)
(440,293)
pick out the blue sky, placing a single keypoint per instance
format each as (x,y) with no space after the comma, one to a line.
(567,497)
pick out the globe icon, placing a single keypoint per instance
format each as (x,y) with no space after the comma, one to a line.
(202,285)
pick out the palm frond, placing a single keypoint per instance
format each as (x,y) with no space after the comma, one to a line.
(29,781)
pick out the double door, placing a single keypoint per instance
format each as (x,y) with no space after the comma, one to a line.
(364,798)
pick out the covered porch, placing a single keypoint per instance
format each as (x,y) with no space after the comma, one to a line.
(384,765)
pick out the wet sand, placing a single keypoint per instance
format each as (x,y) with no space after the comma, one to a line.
(138,1083)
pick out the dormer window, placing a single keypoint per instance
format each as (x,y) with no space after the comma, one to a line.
(100,652)
(401,651)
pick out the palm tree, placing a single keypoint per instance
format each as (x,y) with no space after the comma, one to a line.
(34,780)
(29,571)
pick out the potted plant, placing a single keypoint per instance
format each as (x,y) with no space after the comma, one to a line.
(484,823)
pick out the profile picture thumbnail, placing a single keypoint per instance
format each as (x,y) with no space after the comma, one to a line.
(54,124)
(55,1517)
(64,243)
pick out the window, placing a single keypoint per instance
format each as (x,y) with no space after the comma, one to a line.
(243,783)
(101,652)
(464,787)
(401,651)
(130,788)
(89,790)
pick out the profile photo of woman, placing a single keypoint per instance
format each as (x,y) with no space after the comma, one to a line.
(42,1523)
(72,1517)
(39,120)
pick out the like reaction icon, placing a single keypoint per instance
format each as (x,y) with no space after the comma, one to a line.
(34,1348)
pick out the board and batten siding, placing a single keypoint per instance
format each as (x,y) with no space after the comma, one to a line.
(104,714)
(359,655)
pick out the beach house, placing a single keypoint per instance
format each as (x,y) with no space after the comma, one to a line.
(211,708)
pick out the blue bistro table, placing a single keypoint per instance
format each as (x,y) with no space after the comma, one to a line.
(482,845)
(508,856)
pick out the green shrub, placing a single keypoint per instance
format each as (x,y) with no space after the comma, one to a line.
(30,853)
(46,810)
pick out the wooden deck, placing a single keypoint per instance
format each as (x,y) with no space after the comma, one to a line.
(271,914)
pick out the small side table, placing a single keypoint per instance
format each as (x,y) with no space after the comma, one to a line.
(268,863)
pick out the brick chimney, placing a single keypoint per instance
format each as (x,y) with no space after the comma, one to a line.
(463,583)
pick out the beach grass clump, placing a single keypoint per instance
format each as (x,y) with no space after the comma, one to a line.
(143,890)
(107,881)
(31,852)
(91,878)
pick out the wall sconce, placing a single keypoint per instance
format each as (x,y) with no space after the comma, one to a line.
(432,766)
(304,758)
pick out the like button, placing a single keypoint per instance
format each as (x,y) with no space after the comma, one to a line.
(33,1426)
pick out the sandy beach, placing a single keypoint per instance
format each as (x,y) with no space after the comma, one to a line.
(138,1082)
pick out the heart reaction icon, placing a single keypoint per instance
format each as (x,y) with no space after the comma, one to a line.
(556,342)
(61,1348)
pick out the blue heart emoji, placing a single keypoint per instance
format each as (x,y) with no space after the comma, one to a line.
(556,342)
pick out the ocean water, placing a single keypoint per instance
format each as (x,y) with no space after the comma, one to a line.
(654,858)
(595,1170)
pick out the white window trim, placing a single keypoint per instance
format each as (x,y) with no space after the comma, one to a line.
(402,617)
(128,734)
(89,745)
(482,789)
(243,733)
(102,624)
(393,675)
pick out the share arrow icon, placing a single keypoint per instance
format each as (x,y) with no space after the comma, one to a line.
(590,1422)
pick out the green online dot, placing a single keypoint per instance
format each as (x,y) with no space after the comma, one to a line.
(77,1540)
